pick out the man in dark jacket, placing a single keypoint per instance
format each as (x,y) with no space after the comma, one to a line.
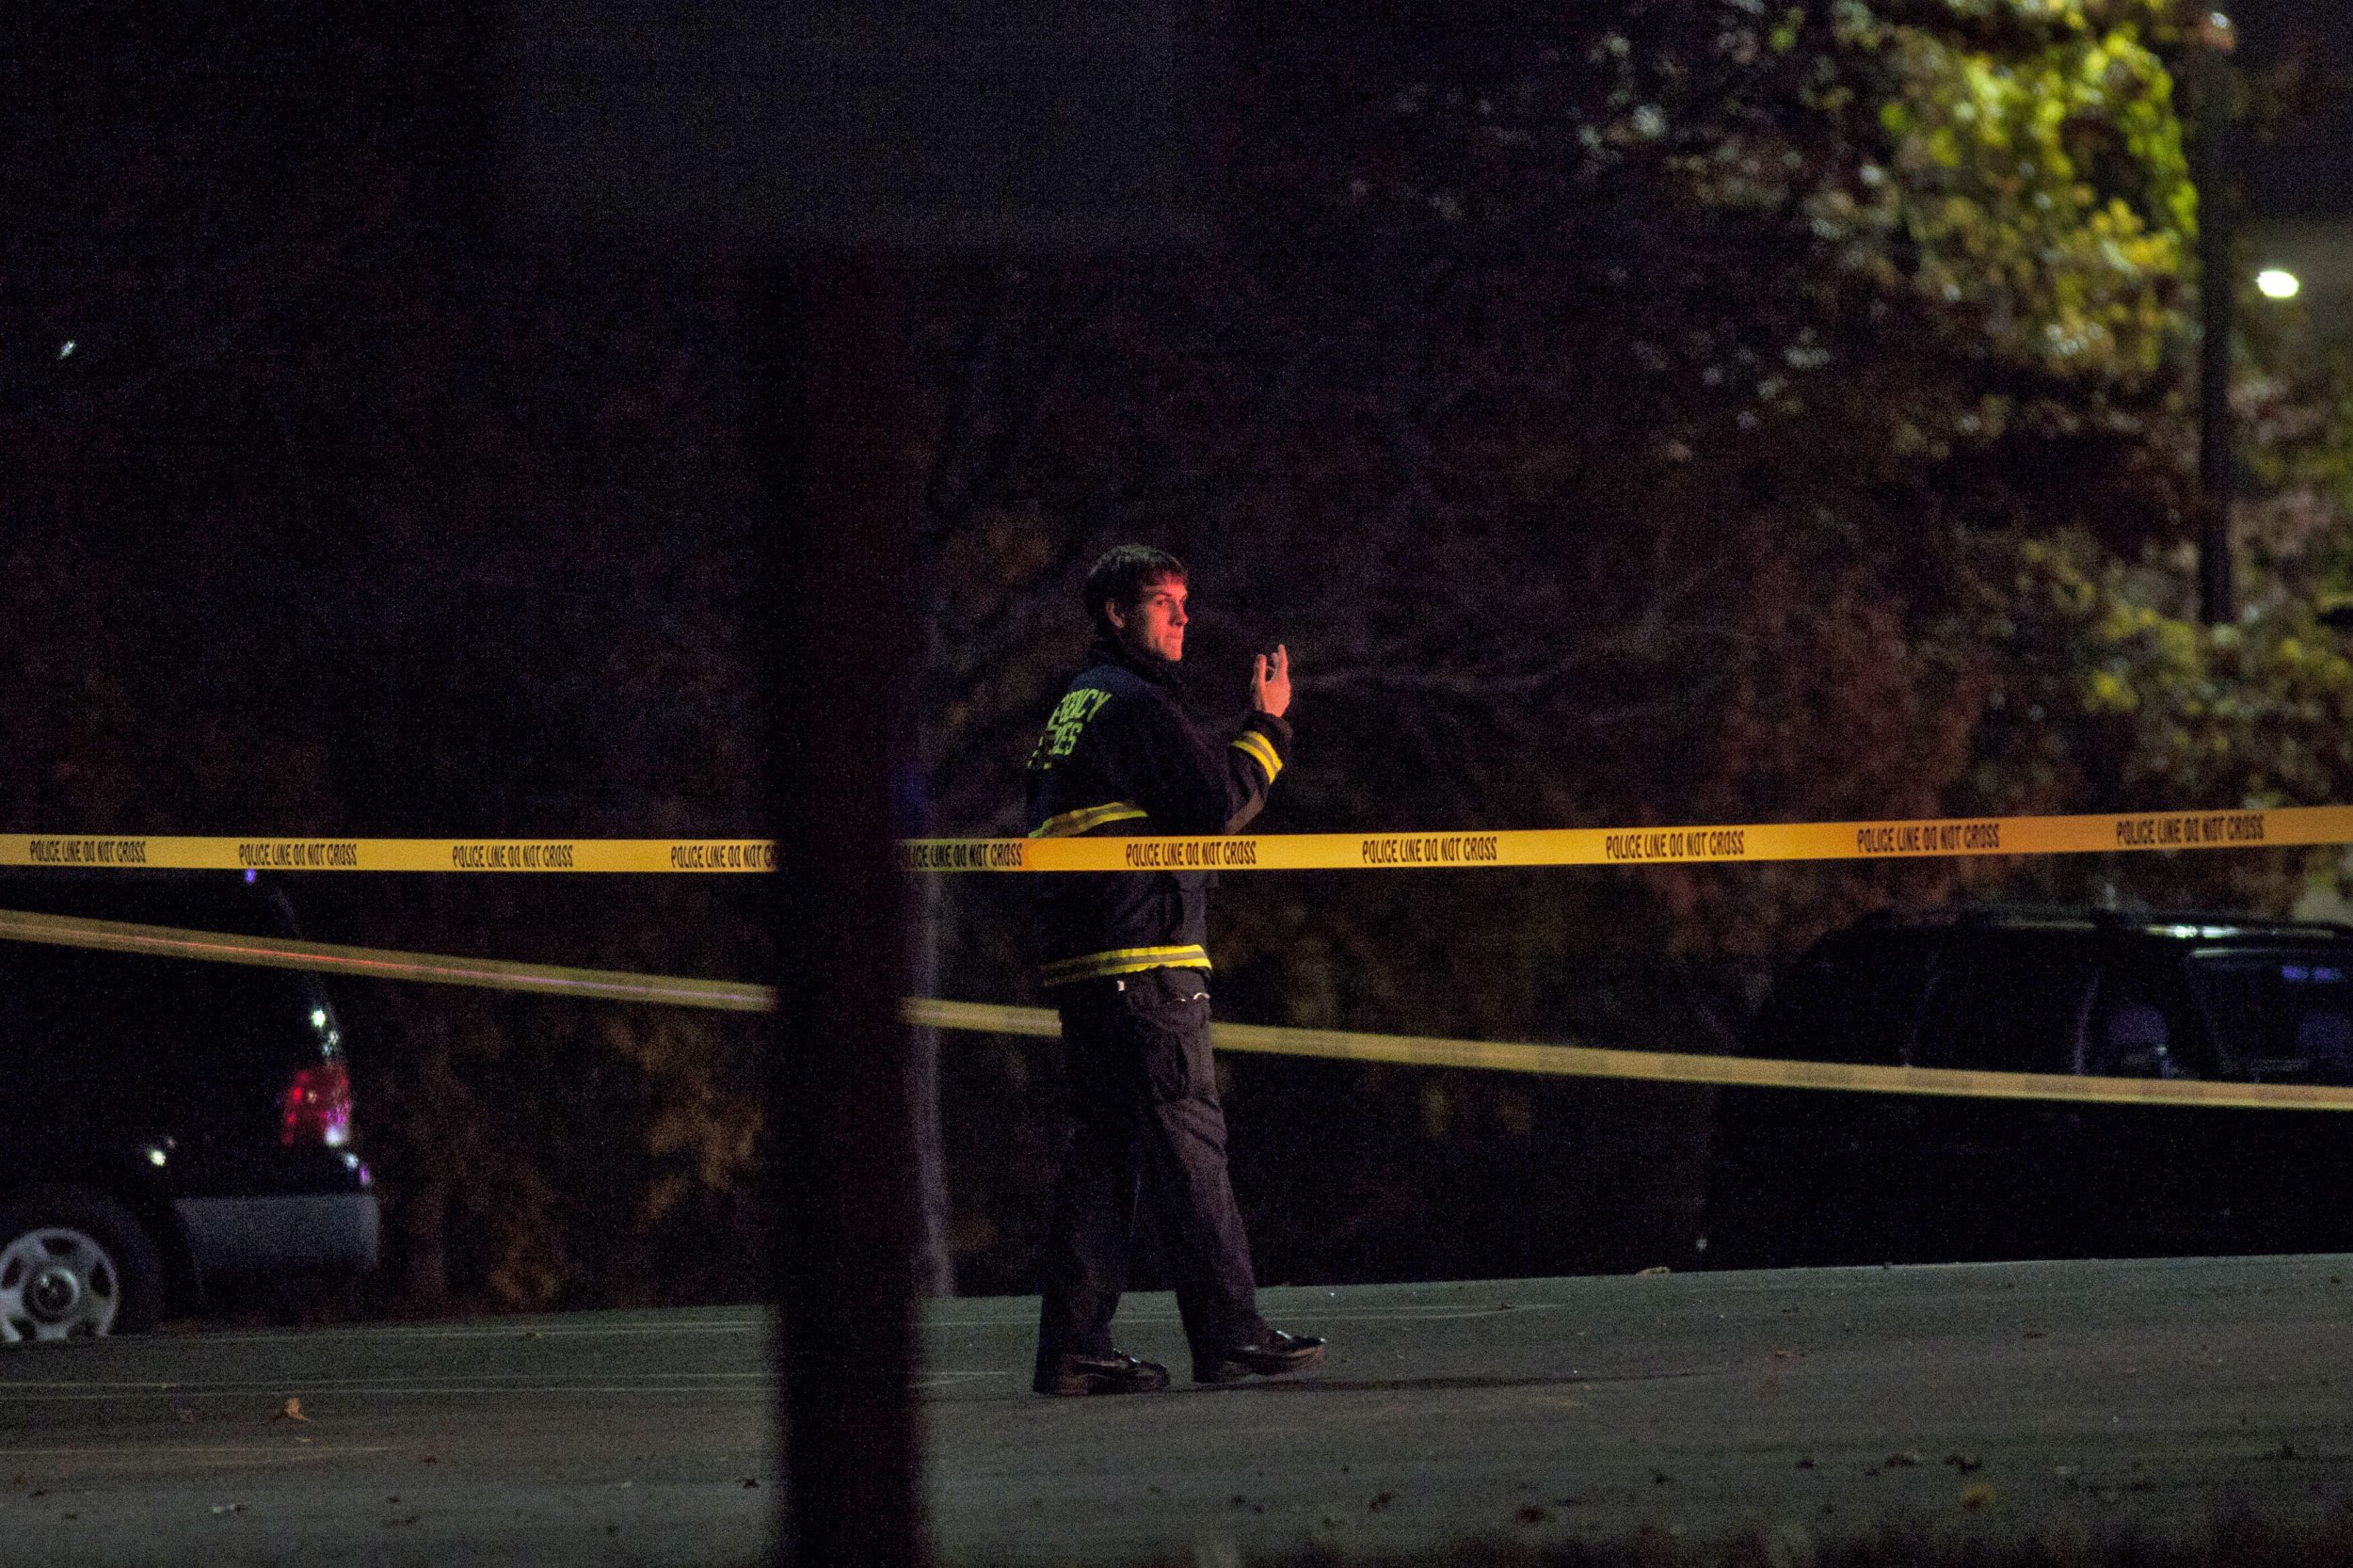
(1124,957)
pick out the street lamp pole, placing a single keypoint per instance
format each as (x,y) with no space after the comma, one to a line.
(2217,298)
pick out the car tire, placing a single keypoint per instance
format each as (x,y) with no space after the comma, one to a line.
(76,1264)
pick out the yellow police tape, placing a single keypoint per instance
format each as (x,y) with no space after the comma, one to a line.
(1334,1045)
(1674,1067)
(2280,826)
(273,952)
(120,853)
(2276,827)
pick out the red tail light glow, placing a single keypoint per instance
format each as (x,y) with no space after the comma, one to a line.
(316,1107)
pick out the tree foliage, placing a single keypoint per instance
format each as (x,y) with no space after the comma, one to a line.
(1648,410)
(328,514)
(1610,406)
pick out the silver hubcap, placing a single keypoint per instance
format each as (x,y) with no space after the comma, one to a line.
(57,1284)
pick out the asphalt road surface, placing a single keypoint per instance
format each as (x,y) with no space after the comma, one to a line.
(1990,1400)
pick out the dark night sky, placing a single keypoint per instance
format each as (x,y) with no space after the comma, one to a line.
(2307,172)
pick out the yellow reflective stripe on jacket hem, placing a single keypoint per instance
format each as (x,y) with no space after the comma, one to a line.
(1098,966)
(1258,746)
(1086,819)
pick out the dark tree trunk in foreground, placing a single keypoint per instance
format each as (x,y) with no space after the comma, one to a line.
(836,391)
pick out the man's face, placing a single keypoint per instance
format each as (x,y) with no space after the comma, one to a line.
(1154,626)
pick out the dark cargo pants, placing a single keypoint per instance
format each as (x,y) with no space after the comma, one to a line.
(1150,1135)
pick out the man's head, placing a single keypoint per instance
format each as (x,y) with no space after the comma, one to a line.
(1137,597)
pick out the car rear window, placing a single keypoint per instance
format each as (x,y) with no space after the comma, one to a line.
(2279,1016)
(1848,1001)
(2007,1002)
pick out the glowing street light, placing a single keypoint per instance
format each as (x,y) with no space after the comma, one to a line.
(2277,284)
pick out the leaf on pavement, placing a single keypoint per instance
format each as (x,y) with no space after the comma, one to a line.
(1975,1496)
(292,1412)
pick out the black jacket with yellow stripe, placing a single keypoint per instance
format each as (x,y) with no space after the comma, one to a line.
(1121,758)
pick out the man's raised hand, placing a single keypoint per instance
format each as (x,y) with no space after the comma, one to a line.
(1271,683)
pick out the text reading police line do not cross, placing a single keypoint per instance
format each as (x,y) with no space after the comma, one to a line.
(2275,828)
(2163,831)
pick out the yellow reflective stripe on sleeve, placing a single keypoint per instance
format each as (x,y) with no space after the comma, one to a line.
(1262,750)
(1086,820)
(1098,965)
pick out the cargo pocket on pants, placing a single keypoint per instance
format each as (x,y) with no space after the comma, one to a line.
(1170,1012)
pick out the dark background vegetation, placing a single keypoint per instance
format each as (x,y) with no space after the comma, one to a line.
(1627,412)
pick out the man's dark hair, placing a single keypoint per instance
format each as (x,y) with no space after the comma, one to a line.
(1123,574)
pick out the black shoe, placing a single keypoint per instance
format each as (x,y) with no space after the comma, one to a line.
(1116,1373)
(1271,1355)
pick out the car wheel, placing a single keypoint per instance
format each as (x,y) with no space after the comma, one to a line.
(72,1265)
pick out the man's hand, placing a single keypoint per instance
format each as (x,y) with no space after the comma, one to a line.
(1271,683)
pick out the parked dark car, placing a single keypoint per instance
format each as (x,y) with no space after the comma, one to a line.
(166,1125)
(1811,1176)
